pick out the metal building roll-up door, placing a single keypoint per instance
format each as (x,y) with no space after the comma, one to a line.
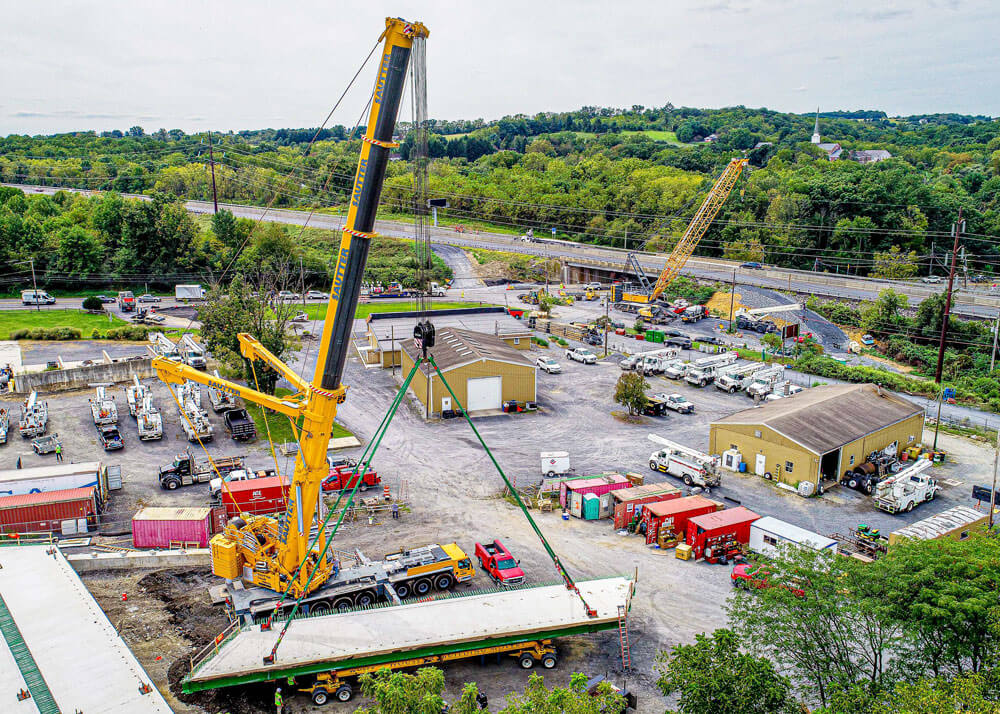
(484,393)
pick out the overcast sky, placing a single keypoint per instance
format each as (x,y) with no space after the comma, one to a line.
(219,64)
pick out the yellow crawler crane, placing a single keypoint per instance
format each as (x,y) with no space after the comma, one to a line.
(267,551)
(685,247)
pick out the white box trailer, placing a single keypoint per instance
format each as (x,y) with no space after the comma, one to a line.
(189,292)
(59,477)
(768,534)
(554,463)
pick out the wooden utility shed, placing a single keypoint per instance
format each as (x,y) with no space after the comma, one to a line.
(482,370)
(820,434)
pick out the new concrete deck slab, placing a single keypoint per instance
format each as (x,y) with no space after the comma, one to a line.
(350,637)
(86,665)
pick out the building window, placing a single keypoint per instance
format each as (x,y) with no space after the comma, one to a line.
(517,340)
(770,540)
(912,438)
(852,459)
(963,535)
(757,433)
(734,447)
(789,466)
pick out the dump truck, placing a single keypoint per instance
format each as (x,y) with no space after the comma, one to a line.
(902,491)
(239,425)
(34,417)
(737,377)
(185,470)
(692,467)
(763,382)
(103,408)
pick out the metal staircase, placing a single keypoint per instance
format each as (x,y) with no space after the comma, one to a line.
(39,690)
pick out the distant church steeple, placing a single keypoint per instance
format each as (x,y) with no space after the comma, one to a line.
(816,138)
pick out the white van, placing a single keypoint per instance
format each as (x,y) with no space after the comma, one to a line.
(36,297)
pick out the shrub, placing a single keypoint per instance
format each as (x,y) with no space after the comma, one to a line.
(46,333)
(93,303)
(540,342)
(128,332)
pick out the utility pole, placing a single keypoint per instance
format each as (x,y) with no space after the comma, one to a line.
(993,491)
(996,334)
(626,237)
(965,270)
(732,302)
(34,283)
(607,306)
(211,160)
(930,263)
(957,230)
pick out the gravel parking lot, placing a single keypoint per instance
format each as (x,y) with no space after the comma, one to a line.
(453,493)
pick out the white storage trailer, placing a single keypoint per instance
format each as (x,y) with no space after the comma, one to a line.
(554,462)
(59,477)
(189,292)
(769,534)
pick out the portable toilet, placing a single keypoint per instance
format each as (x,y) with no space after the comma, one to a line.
(591,507)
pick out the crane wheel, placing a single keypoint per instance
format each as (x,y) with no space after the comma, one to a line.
(320,697)
(321,607)
(526,661)
(422,586)
(344,693)
(343,604)
(365,599)
(402,590)
(443,582)
(549,661)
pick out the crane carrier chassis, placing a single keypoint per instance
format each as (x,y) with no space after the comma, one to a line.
(334,647)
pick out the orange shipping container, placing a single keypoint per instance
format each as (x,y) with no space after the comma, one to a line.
(628,502)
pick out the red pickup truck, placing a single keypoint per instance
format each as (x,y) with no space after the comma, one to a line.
(340,478)
(499,564)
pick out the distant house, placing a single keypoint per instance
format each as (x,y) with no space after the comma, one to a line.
(833,151)
(870,156)
(760,144)
(711,138)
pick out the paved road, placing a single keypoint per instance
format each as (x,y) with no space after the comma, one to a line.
(803,282)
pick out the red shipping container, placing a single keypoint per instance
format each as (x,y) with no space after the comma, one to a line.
(167,527)
(47,511)
(628,501)
(674,514)
(256,496)
(571,492)
(732,521)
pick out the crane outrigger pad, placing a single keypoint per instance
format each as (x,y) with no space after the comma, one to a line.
(387,634)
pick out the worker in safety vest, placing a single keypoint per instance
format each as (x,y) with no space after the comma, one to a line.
(278,701)
(59,452)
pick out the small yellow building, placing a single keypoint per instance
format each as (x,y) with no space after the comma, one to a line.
(483,371)
(818,434)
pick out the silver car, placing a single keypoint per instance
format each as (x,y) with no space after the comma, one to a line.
(548,364)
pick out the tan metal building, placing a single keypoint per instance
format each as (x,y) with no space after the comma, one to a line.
(957,523)
(386,331)
(818,434)
(482,370)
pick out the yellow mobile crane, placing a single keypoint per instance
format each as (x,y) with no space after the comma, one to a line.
(268,551)
(642,293)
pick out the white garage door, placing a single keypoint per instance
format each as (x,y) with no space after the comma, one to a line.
(484,393)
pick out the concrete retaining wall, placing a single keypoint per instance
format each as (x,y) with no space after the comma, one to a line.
(57,380)
(134,560)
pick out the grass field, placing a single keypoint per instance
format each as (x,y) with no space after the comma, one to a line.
(658,135)
(19,319)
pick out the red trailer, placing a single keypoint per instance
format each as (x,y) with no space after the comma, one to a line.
(256,496)
(672,516)
(732,523)
(67,512)
(571,492)
(176,527)
(628,502)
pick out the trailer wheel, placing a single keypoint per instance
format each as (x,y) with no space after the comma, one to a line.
(549,661)
(402,590)
(344,693)
(321,607)
(526,661)
(422,586)
(443,582)
(551,474)
(365,599)
(343,604)
(320,697)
